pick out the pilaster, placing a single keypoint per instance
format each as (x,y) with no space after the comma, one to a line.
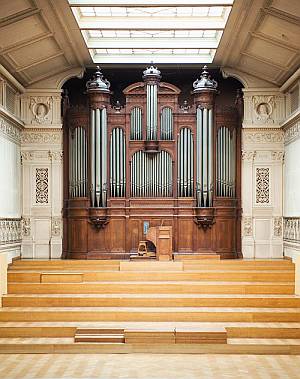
(262,173)
(41,154)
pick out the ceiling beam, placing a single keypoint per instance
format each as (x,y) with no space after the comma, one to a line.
(139,23)
(152,43)
(153,3)
(148,58)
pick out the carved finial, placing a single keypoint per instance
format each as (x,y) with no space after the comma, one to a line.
(205,82)
(98,83)
(152,72)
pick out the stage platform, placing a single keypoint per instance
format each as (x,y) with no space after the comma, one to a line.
(110,306)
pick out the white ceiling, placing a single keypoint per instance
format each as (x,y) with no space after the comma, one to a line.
(40,41)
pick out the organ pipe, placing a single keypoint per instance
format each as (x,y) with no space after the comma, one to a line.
(117,163)
(136,124)
(152,78)
(204,91)
(151,176)
(77,162)
(185,163)
(98,90)
(166,124)
(226,162)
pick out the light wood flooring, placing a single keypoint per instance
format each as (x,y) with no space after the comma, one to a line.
(146,366)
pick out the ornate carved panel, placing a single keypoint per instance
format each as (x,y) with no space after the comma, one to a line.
(262,191)
(41,180)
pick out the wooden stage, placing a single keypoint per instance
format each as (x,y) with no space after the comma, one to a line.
(109,306)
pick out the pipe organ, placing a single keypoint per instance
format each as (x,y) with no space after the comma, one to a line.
(151,162)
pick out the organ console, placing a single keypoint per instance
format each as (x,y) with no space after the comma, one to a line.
(161,238)
(151,159)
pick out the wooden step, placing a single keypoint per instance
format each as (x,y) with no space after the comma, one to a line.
(262,332)
(151,314)
(216,275)
(65,346)
(163,336)
(210,334)
(101,338)
(195,257)
(153,287)
(152,300)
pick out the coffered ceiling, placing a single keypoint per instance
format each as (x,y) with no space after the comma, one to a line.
(41,40)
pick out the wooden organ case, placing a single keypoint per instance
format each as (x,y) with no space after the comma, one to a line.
(151,161)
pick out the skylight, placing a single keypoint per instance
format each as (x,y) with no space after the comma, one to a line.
(166,32)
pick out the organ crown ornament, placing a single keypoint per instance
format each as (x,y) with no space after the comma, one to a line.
(152,73)
(98,83)
(205,82)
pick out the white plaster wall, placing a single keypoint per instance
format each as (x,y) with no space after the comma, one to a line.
(10,178)
(292,179)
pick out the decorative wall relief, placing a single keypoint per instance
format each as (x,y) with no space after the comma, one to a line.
(291,229)
(292,133)
(56,226)
(41,181)
(37,136)
(260,136)
(262,185)
(247,227)
(55,156)
(248,155)
(263,107)
(26,156)
(41,108)
(277,226)
(277,156)
(26,226)
(8,129)
(10,230)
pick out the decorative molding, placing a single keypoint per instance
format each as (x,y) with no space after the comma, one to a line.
(248,155)
(263,136)
(247,227)
(41,180)
(292,133)
(26,226)
(26,156)
(277,226)
(277,156)
(9,130)
(262,175)
(10,230)
(99,222)
(56,226)
(291,229)
(41,136)
(55,156)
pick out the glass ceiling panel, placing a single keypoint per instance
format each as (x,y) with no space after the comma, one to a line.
(175,30)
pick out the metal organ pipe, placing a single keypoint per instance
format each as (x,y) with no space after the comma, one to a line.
(166,124)
(77,162)
(151,176)
(226,162)
(185,163)
(117,163)
(136,124)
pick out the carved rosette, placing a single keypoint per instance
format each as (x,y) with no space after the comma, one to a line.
(99,222)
